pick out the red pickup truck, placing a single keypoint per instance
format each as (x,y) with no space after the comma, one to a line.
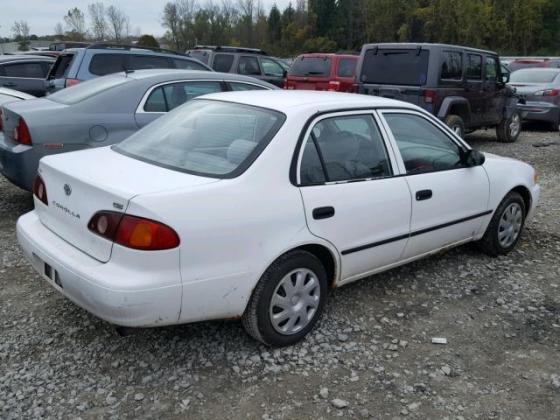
(318,71)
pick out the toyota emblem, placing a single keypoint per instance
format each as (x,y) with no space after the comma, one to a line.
(67,189)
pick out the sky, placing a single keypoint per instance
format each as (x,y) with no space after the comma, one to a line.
(43,15)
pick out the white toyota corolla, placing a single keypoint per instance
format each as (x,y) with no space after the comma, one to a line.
(254,204)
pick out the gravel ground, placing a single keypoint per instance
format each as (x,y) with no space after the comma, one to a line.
(370,357)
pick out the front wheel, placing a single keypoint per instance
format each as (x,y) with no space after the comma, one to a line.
(509,128)
(504,229)
(288,300)
(457,124)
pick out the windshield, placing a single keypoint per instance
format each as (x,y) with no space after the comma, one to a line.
(84,90)
(395,67)
(311,66)
(534,76)
(204,137)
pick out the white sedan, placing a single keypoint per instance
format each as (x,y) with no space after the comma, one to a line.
(254,204)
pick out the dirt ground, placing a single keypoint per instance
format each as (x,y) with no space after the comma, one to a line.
(370,357)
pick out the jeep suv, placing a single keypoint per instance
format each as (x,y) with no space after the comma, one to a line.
(248,61)
(78,64)
(464,87)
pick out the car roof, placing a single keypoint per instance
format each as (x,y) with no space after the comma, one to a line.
(174,74)
(17,57)
(424,45)
(294,101)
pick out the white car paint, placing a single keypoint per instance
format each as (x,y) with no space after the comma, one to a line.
(232,230)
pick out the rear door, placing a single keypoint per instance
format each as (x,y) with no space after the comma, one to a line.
(350,195)
(26,76)
(449,200)
(272,72)
(166,97)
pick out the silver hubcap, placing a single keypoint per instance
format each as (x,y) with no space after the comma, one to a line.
(295,301)
(514,125)
(510,225)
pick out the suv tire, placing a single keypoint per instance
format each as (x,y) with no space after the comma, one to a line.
(510,214)
(457,124)
(297,280)
(509,128)
(554,125)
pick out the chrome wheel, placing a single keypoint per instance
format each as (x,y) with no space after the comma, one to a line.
(514,126)
(295,301)
(510,225)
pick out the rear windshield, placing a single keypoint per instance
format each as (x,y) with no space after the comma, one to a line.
(204,137)
(61,66)
(534,76)
(395,67)
(311,66)
(85,90)
(199,55)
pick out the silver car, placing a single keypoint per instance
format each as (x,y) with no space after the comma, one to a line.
(10,95)
(98,113)
(540,87)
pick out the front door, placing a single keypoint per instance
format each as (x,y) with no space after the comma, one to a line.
(449,200)
(495,91)
(474,88)
(350,195)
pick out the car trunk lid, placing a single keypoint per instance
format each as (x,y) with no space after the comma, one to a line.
(80,184)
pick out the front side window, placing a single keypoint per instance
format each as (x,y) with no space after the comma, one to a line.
(222,62)
(346,148)
(249,66)
(271,67)
(474,67)
(170,96)
(206,138)
(452,65)
(491,69)
(423,146)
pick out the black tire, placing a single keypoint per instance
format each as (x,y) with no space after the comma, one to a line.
(257,320)
(554,126)
(490,242)
(457,124)
(504,130)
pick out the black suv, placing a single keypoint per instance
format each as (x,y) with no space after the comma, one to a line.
(78,64)
(248,61)
(464,87)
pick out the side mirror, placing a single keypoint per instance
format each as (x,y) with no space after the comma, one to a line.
(505,78)
(473,158)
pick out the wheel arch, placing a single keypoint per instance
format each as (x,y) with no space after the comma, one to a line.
(525,194)
(455,105)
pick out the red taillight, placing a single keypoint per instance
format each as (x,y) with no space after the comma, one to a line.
(133,232)
(40,190)
(430,96)
(334,86)
(548,92)
(21,133)
(71,82)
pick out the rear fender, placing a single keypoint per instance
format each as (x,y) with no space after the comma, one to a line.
(457,102)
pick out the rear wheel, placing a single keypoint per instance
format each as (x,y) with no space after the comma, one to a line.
(504,230)
(554,125)
(457,124)
(509,128)
(288,300)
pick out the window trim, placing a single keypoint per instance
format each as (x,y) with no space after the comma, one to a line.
(439,125)
(142,103)
(306,133)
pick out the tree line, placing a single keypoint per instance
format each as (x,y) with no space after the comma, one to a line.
(512,27)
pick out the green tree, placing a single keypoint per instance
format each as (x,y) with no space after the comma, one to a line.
(147,41)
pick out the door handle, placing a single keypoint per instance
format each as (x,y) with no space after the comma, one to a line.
(423,195)
(9,84)
(323,212)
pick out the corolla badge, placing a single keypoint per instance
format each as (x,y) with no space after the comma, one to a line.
(67,189)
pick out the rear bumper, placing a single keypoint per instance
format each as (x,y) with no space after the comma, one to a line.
(110,290)
(540,111)
(18,163)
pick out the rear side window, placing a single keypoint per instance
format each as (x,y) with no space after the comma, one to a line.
(249,66)
(201,56)
(188,65)
(87,89)
(311,66)
(349,147)
(102,64)
(25,70)
(222,62)
(142,62)
(452,65)
(61,66)
(346,67)
(395,67)
(165,98)
(474,67)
